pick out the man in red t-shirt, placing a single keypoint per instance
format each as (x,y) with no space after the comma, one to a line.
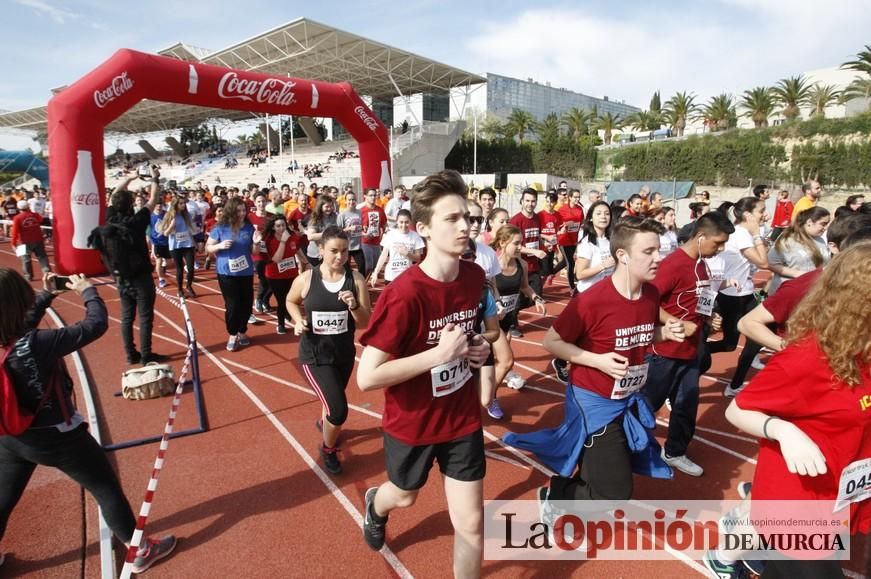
(685,294)
(551,226)
(27,239)
(420,348)
(374,223)
(573,218)
(530,227)
(604,332)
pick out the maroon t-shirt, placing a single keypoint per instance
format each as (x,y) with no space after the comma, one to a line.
(258,252)
(374,220)
(680,281)
(530,229)
(550,224)
(600,320)
(439,404)
(287,267)
(789,294)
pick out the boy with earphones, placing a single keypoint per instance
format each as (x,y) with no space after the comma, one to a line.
(604,333)
(685,294)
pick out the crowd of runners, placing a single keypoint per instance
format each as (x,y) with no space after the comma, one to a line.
(455,272)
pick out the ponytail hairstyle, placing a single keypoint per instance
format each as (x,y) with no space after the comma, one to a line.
(797,234)
(745,205)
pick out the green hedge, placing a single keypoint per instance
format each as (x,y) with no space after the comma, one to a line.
(832,163)
(564,156)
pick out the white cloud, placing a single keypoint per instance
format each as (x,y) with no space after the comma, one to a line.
(59,15)
(728,48)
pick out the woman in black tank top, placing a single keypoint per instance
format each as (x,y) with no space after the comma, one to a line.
(336,302)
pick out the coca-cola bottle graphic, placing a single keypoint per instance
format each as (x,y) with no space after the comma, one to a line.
(84,201)
(193,80)
(386,182)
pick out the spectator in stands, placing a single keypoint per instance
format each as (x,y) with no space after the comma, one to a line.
(27,239)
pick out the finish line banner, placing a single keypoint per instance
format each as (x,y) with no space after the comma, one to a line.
(656,530)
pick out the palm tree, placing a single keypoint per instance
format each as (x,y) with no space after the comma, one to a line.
(642,121)
(578,121)
(759,103)
(492,128)
(548,129)
(678,109)
(862,63)
(821,96)
(792,93)
(520,122)
(719,113)
(608,123)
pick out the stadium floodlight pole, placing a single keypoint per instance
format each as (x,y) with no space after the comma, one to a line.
(280,139)
(475,146)
(292,156)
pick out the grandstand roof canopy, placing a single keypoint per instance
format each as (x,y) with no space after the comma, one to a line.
(301,48)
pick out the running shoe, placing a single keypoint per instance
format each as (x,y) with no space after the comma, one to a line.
(244,340)
(754,566)
(668,404)
(515,333)
(331,460)
(744,487)
(190,293)
(683,464)
(721,569)
(373,525)
(281,330)
(134,357)
(252,319)
(161,283)
(757,363)
(561,367)
(153,357)
(153,551)
(547,513)
(231,344)
(730,392)
(494,410)
(258,307)
(514,380)
(196,266)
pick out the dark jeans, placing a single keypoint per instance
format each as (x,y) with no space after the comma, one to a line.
(360,260)
(264,287)
(238,292)
(732,309)
(604,468)
(281,287)
(568,262)
(78,456)
(184,256)
(37,249)
(791,569)
(678,381)
(137,294)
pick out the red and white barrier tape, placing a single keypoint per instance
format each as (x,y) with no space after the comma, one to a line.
(127,570)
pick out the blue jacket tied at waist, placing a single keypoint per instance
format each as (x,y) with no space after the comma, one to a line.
(587,413)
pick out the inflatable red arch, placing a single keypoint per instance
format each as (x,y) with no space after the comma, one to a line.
(78,115)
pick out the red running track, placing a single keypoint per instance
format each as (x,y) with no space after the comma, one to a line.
(248,498)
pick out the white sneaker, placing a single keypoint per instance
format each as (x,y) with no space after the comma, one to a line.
(683,464)
(730,392)
(514,380)
(757,363)
(252,319)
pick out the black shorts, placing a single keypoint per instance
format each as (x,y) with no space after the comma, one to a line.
(460,459)
(162,251)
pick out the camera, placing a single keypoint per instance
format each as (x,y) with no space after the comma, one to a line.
(60,282)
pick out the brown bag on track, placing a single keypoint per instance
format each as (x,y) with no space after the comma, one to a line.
(151,381)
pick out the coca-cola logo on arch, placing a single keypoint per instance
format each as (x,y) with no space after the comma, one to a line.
(85,198)
(274,91)
(120,85)
(367,119)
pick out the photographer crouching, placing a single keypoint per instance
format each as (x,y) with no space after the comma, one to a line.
(31,363)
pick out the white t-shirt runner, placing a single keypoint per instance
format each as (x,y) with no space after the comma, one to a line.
(595,254)
(391,242)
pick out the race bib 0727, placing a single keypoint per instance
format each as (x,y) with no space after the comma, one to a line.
(632,382)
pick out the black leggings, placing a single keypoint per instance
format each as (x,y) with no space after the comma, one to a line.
(604,468)
(264,287)
(77,455)
(184,256)
(238,292)
(280,288)
(568,262)
(732,309)
(329,382)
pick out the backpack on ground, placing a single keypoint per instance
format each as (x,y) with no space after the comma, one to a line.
(121,255)
(14,419)
(151,381)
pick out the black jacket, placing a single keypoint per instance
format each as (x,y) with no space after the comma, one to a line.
(36,358)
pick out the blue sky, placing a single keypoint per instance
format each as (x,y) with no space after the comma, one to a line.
(624,49)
